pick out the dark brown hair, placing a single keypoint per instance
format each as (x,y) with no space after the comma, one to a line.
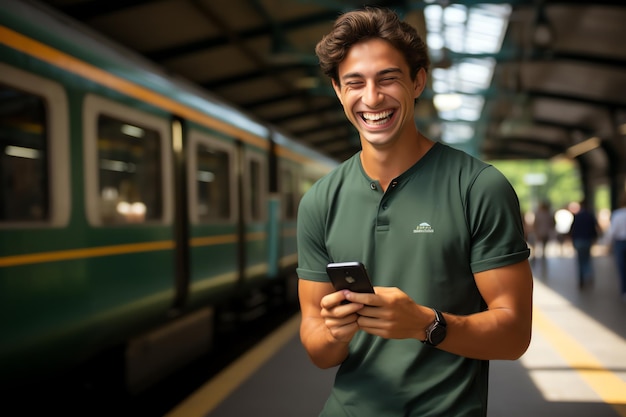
(369,23)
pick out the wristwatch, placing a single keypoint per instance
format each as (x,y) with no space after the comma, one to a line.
(436,332)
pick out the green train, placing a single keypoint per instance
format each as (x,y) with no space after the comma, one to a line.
(132,205)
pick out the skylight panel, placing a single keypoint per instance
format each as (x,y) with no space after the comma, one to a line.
(455,38)
(457,132)
(469,33)
(455,13)
(476,74)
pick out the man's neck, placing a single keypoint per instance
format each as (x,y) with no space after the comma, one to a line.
(386,164)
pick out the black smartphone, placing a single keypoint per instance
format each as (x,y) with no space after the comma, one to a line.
(349,275)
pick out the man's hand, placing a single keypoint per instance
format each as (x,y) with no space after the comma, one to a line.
(391,313)
(340,318)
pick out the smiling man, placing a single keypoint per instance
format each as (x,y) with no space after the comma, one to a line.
(439,232)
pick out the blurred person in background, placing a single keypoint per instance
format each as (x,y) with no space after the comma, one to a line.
(616,237)
(543,228)
(584,233)
(563,222)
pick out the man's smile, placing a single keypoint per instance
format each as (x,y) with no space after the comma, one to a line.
(378,118)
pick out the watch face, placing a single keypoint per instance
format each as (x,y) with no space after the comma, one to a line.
(437,335)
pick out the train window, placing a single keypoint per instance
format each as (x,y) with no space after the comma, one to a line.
(211,179)
(127,149)
(129,157)
(255,187)
(24,158)
(33,114)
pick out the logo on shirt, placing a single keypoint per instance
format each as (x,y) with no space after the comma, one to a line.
(423,228)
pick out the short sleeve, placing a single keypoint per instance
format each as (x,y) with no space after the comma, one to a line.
(312,254)
(495,222)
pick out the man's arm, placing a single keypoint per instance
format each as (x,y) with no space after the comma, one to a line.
(503,331)
(327,325)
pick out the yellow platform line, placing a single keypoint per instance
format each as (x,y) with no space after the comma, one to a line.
(210,395)
(609,387)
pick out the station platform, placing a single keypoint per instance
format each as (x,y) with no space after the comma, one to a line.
(575,366)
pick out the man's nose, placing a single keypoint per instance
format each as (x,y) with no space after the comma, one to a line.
(372,96)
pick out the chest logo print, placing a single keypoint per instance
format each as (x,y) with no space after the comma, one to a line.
(423,228)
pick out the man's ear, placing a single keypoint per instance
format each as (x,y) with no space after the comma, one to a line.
(419,83)
(337,89)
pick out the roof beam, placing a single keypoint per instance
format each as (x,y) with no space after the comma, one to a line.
(264,30)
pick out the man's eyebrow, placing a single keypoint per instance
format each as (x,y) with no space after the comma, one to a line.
(378,74)
(389,71)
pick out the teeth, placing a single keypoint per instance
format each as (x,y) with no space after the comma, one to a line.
(377,116)
(377,119)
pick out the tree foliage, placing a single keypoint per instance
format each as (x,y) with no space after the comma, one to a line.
(557,182)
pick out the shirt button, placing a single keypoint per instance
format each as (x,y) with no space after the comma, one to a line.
(384,206)
(373,185)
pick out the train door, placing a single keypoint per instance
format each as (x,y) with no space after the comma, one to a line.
(128,194)
(290,196)
(255,217)
(212,184)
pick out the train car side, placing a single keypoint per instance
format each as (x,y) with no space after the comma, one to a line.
(132,205)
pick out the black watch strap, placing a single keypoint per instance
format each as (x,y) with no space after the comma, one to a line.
(436,332)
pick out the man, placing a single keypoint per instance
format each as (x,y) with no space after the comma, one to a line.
(543,228)
(439,232)
(584,232)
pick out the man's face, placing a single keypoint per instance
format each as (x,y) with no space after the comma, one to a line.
(377,92)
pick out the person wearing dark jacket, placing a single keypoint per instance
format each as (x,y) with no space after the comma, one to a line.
(584,232)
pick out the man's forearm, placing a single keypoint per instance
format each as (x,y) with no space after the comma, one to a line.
(324,350)
(490,335)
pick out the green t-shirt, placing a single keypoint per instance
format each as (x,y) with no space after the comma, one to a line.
(447,217)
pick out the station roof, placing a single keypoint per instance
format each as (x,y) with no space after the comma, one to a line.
(509,80)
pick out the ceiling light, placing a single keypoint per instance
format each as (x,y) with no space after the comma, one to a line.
(543,35)
(447,102)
